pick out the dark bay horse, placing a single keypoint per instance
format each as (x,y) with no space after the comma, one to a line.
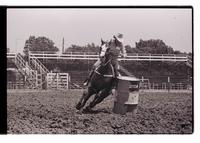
(102,80)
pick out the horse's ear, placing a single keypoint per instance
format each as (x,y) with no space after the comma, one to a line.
(102,41)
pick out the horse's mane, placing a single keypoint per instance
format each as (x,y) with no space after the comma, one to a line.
(106,67)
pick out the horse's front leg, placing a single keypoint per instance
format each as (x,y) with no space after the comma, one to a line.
(86,95)
(99,98)
(80,104)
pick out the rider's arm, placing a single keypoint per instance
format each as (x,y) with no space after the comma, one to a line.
(123,51)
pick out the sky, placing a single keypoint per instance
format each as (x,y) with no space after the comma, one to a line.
(83,26)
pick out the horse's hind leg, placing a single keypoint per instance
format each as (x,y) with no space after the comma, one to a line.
(86,95)
(99,98)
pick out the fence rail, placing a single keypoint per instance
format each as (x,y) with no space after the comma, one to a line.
(94,56)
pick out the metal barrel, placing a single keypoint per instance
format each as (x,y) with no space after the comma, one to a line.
(126,95)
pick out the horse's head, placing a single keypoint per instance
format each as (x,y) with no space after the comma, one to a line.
(103,50)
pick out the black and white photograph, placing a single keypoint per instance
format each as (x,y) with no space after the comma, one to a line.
(100,70)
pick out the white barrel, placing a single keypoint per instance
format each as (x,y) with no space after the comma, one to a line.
(127,95)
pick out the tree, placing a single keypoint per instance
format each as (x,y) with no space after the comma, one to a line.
(177,52)
(89,48)
(40,44)
(153,46)
(130,49)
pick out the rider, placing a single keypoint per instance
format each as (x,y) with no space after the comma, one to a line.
(116,49)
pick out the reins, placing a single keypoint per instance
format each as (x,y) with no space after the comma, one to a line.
(104,75)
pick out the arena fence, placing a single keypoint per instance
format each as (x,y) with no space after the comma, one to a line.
(57,81)
(165,86)
(16,85)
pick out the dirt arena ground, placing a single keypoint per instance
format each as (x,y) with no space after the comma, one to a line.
(53,112)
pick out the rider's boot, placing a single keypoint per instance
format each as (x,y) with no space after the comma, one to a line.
(114,87)
(116,72)
(86,82)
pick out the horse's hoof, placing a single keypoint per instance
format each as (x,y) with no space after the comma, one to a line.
(88,109)
(79,111)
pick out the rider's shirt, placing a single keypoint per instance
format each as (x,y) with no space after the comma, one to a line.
(115,49)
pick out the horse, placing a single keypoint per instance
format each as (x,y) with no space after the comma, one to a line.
(102,80)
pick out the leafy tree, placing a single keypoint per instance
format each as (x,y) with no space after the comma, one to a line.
(40,44)
(177,52)
(151,46)
(130,49)
(154,47)
(88,48)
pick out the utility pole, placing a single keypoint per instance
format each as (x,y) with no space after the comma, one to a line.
(63,45)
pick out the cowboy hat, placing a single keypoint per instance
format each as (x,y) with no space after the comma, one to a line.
(119,37)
